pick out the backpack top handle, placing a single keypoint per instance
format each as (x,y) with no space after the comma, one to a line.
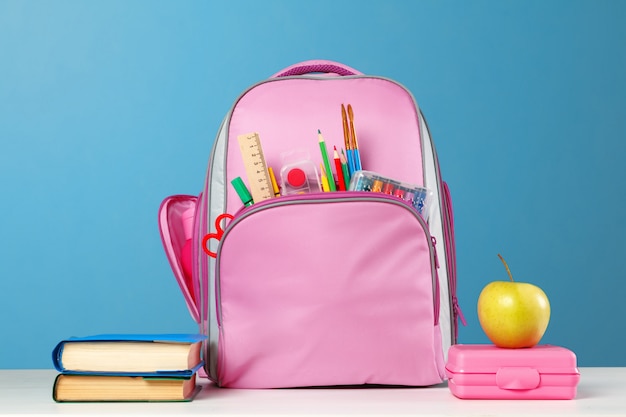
(317,66)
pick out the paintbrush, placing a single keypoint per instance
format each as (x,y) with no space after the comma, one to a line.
(355,143)
(347,140)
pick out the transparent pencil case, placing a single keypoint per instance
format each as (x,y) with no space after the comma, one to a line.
(418,197)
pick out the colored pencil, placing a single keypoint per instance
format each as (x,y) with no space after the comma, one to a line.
(324,179)
(274,183)
(345,169)
(329,171)
(341,182)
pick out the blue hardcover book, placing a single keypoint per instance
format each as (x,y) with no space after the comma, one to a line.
(162,355)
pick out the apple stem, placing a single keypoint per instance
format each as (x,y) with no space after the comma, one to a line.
(508,271)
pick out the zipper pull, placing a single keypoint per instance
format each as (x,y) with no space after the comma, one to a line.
(434,242)
(457,310)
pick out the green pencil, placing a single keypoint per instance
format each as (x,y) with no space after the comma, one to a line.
(345,169)
(329,172)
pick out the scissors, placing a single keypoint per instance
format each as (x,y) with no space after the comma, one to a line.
(217,236)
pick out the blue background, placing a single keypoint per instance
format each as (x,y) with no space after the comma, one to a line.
(107,107)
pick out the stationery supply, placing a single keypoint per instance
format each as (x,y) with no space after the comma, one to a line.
(298,292)
(350,140)
(217,236)
(297,179)
(347,140)
(324,179)
(127,367)
(328,173)
(418,197)
(256,167)
(345,169)
(354,142)
(298,173)
(274,183)
(243,192)
(542,372)
(341,182)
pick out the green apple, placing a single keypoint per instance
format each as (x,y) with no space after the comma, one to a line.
(513,314)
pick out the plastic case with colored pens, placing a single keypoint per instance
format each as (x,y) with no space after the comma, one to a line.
(418,197)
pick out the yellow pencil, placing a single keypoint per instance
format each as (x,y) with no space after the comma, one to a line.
(324,179)
(274,183)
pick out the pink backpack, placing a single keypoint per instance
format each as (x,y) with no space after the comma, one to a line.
(319,288)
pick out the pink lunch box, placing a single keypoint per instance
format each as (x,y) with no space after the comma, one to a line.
(488,372)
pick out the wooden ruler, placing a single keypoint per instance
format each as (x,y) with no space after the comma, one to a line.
(256,167)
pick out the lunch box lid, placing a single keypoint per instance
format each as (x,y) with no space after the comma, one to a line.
(489,359)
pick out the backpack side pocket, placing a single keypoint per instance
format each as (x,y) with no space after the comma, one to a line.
(176,215)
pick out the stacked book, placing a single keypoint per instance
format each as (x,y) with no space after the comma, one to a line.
(134,367)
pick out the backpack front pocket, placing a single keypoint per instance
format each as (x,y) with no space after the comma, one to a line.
(328,289)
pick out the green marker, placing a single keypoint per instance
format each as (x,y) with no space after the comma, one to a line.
(242,191)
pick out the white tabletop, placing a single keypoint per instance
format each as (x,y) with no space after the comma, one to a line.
(601,391)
